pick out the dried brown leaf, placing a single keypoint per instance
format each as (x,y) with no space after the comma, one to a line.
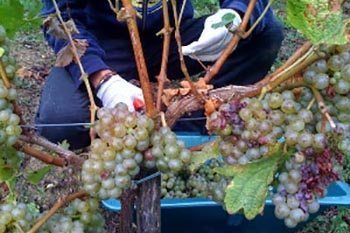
(64,56)
(201,84)
(184,91)
(185,84)
(81,46)
(210,106)
(24,72)
(72,28)
(168,94)
(54,27)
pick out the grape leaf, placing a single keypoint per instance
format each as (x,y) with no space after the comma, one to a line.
(34,177)
(18,14)
(209,151)
(321,21)
(6,173)
(248,188)
(9,162)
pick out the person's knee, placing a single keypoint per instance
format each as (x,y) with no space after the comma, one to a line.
(62,103)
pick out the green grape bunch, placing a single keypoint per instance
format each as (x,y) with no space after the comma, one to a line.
(78,217)
(9,121)
(116,156)
(16,218)
(206,183)
(173,186)
(167,152)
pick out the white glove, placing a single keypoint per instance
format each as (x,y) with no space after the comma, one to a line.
(213,41)
(116,90)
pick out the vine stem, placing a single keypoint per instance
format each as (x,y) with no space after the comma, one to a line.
(322,106)
(309,106)
(296,55)
(163,120)
(190,104)
(184,69)
(309,57)
(256,23)
(60,202)
(214,70)
(19,228)
(166,32)
(40,155)
(84,76)
(4,76)
(69,156)
(128,14)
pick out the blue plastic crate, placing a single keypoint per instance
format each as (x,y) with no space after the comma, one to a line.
(196,215)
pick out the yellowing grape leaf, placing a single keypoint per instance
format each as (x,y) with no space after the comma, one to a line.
(248,188)
(66,55)
(321,21)
(6,173)
(209,151)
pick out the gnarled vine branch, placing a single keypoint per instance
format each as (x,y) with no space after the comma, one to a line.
(128,14)
(40,155)
(69,156)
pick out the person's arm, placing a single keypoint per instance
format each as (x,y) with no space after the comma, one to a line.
(92,60)
(241,7)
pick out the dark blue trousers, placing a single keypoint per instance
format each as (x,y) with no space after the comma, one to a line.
(62,102)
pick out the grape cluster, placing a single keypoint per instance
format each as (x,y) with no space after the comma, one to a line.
(79,217)
(9,121)
(249,127)
(15,217)
(167,153)
(287,201)
(197,186)
(173,186)
(117,154)
(206,183)
(304,181)
(8,61)
(337,93)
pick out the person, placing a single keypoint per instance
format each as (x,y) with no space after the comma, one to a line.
(110,64)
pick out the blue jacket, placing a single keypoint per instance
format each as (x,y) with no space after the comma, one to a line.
(92,15)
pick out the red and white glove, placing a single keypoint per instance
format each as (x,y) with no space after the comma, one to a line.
(116,90)
(213,41)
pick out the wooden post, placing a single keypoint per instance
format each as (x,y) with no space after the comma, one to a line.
(148,206)
(126,218)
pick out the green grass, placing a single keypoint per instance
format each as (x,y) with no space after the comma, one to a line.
(205,7)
